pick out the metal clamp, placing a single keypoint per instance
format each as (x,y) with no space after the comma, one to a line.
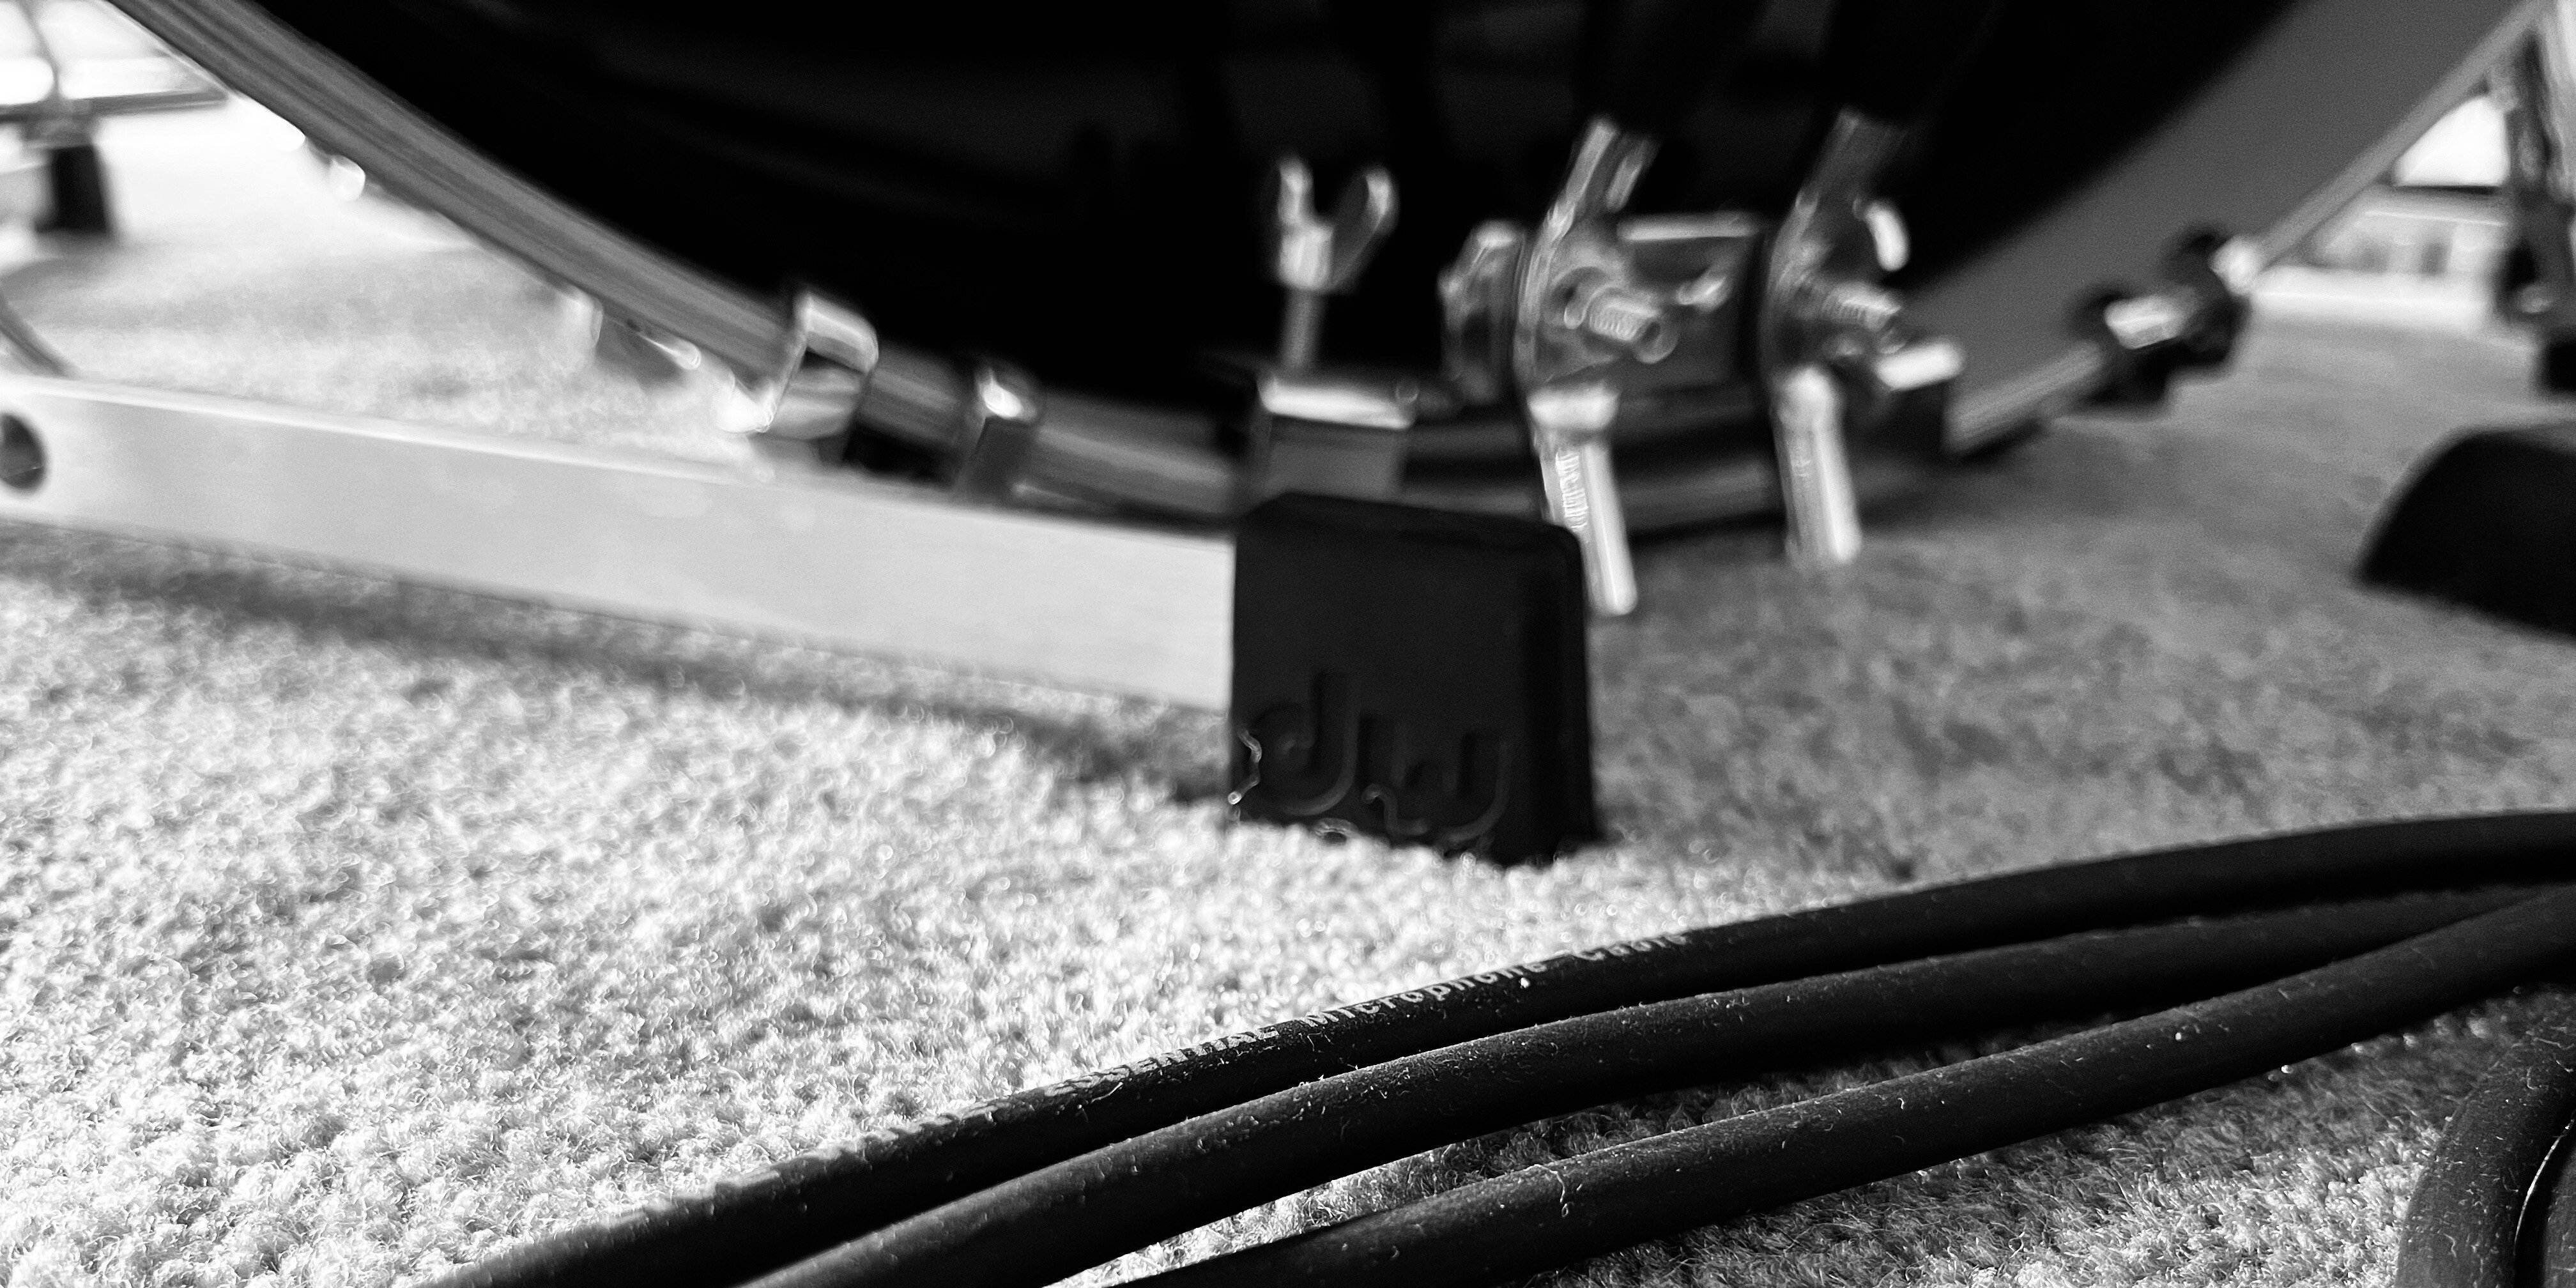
(1841,362)
(1576,313)
(1689,271)
(1592,320)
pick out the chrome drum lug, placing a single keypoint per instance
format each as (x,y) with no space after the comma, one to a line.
(807,406)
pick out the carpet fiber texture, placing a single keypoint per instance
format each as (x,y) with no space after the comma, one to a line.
(351,931)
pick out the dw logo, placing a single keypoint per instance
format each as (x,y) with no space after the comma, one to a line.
(1332,763)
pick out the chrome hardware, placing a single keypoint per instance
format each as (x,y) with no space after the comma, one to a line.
(2192,323)
(1695,269)
(1341,434)
(2146,321)
(831,354)
(1887,236)
(1808,410)
(1574,258)
(1570,429)
(1477,293)
(1921,365)
(640,353)
(1592,320)
(646,355)
(1841,362)
(1312,258)
(1003,407)
(1313,431)
(2534,87)
(1557,352)
(1618,316)
(1372,402)
(1689,269)
(2238,262)
(64,131)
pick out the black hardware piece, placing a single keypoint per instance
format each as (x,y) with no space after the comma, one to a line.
(1412,674)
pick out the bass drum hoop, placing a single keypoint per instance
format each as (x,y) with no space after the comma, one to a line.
(2317,107)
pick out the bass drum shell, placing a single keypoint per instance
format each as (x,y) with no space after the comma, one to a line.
(1077,186)
(1076,189)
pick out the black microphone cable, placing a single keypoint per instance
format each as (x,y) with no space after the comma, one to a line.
(2549,1225)
(1060,1220)
(2478,1216)
(1542,1217)
(738,1229)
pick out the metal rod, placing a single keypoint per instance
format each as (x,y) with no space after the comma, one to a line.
(1301,328)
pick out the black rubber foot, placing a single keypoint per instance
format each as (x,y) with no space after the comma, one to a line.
(2489,523)
(2554,366)
(1412,674)
(77,180)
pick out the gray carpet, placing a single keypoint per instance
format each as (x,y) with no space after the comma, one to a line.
(350,931)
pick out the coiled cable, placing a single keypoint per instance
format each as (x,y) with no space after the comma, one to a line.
(739,1229)
(1547,1216)
(1084,1211)
(2476,1218)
